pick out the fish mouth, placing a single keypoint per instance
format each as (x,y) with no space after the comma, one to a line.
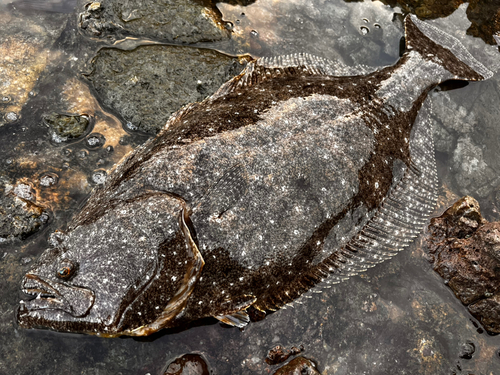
(48,295)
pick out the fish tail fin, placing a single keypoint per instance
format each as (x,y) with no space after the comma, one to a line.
(444,49)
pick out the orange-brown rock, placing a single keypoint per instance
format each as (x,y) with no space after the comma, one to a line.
(465,251)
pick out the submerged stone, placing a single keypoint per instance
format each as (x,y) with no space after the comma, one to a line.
(20,216)
(179,21)
(188,364)
(465,251)
(298,366)
(279,354)
(148,84)
(66,127)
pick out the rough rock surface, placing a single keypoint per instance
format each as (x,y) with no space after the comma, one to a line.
(180,21)
(279,354)
(298,366)
(24,53)
(465,251)
(483,15)
(20,216)
(148,84)
(188,364)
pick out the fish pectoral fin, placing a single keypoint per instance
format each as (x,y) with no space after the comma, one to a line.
(238,319)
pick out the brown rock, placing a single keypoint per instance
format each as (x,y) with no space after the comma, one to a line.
(278,354)
(465,250)
(485,19)
(298,366)
(188,364)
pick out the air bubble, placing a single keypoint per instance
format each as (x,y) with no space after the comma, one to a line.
(99,177)
(254,34)
(6,99)
(365,20)
(11,116)
(67,154)
(82,154)
(49,179)
(95,140)
(44,217)
(377,26)
(229,25)
(131,126)
(110,149)
(364,30)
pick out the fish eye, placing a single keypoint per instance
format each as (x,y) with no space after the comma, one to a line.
(66,269)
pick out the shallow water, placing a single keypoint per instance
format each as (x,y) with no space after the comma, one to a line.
(396,318)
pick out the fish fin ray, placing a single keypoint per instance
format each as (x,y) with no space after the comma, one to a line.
(292,65)
(399,219)
(402,214)
(238,319)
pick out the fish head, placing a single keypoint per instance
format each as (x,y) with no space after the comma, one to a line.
(113,274)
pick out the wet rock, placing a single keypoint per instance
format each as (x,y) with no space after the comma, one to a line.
(483,15)
(298,366)
(188,364)
(25,44)
(49,179)
(485,19)
(472,173)
(180,21)
(66,127)
(19,215)
(279,354)
(95,140)
(465,251)
(148,84)
(468,349)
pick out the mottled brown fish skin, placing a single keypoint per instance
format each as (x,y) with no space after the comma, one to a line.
(295,172)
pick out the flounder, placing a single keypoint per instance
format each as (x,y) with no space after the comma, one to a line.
(297,171)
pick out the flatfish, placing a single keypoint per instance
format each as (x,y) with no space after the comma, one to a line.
(298,171)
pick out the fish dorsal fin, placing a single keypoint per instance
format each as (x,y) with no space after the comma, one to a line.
(296,64)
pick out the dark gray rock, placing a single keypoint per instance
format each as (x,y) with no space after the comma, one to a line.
(20,216)
(148,84)
(180,21)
